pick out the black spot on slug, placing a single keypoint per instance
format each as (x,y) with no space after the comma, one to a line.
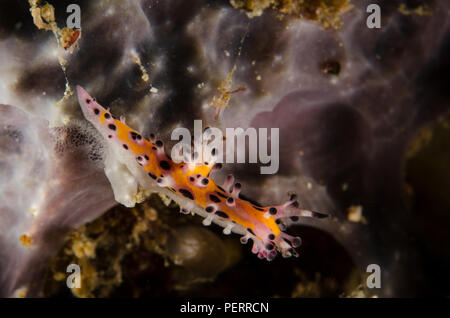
(107,116)
(165,165)
(271,236)
(221,189)
(88,101)
(250,230)
(159,143)
(230,200)
(270,246)
(187,194)
(209,209)
(294,218)
(125,147)
(205,181)
(214,198)
(221,195)
(146,157)
(112,127)
(222,214)
(96,111)
(152,176)
(273,211)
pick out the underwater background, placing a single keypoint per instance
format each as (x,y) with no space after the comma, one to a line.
(364,127)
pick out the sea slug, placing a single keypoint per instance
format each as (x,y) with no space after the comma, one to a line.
(191,186)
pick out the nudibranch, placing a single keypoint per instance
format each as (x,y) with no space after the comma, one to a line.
(191,186)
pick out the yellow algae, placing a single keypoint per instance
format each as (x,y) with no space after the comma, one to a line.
(26,240)
(355,214)
(420,141)
(67,38)
(221,101)
(59,276)
(136,59)
(43,16)
(116,235)
(83,246)
(324,12)
(420,10)
(21,292)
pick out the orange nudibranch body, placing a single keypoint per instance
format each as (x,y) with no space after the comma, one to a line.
(193,188)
